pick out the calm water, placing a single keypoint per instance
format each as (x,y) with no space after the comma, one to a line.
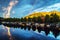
(21,34)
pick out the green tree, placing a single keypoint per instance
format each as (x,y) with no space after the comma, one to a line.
(47,19)
(22,19)
(54,18)
(34,19)
(29,19)
(39,20)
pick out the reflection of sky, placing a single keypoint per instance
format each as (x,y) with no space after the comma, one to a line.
(20,33)
(24,7)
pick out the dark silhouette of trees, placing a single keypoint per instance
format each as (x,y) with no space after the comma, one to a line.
(22,20)
(46,29)
(39,29)
(29,19)
(51,18)
(54,18)
(25,27)
(1,20)
(47,19)
(39,20)
(11,19)
(33,27)
(29,27)
(55,32)
(22,26)
(34,19)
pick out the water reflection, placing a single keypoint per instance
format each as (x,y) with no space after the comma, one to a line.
(21,34)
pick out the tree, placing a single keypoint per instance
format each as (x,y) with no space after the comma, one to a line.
(47,19)
(39,19)
(34,19)
(22,20)
(29,19)
(54,18)
(25,19)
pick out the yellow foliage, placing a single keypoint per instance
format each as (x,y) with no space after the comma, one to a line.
(36,14)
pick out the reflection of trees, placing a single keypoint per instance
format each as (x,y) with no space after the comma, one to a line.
(39,29)
(46,29)
(29,27)
(56,32)
(33,27)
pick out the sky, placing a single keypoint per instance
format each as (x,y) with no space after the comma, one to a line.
(21,8)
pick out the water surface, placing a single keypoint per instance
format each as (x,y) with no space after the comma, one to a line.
(7,33)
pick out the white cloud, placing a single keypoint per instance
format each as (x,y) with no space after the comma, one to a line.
(48,8)
(8,9)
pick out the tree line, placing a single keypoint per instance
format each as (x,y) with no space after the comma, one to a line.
(52,18)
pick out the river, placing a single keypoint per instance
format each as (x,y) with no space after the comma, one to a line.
(7,33)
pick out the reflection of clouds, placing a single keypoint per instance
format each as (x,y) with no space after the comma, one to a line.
(51,34)
(58,37)
(6,32)
(8,29)
(9,33)
(3,29)
(42,33)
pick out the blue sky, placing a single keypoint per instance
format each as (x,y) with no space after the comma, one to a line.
(24,7)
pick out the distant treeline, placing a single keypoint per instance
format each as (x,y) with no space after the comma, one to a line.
(52,18)
(10,19)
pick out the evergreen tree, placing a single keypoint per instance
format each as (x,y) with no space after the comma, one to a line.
(39,19)
(54,18)
(47,19)
(25,19)
(34,19)
(22,20)
(29,19)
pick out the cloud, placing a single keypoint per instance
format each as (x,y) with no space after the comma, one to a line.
(3,8)
(8,9)
(48,8)
(23,7)
(55,6)
(58,37)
